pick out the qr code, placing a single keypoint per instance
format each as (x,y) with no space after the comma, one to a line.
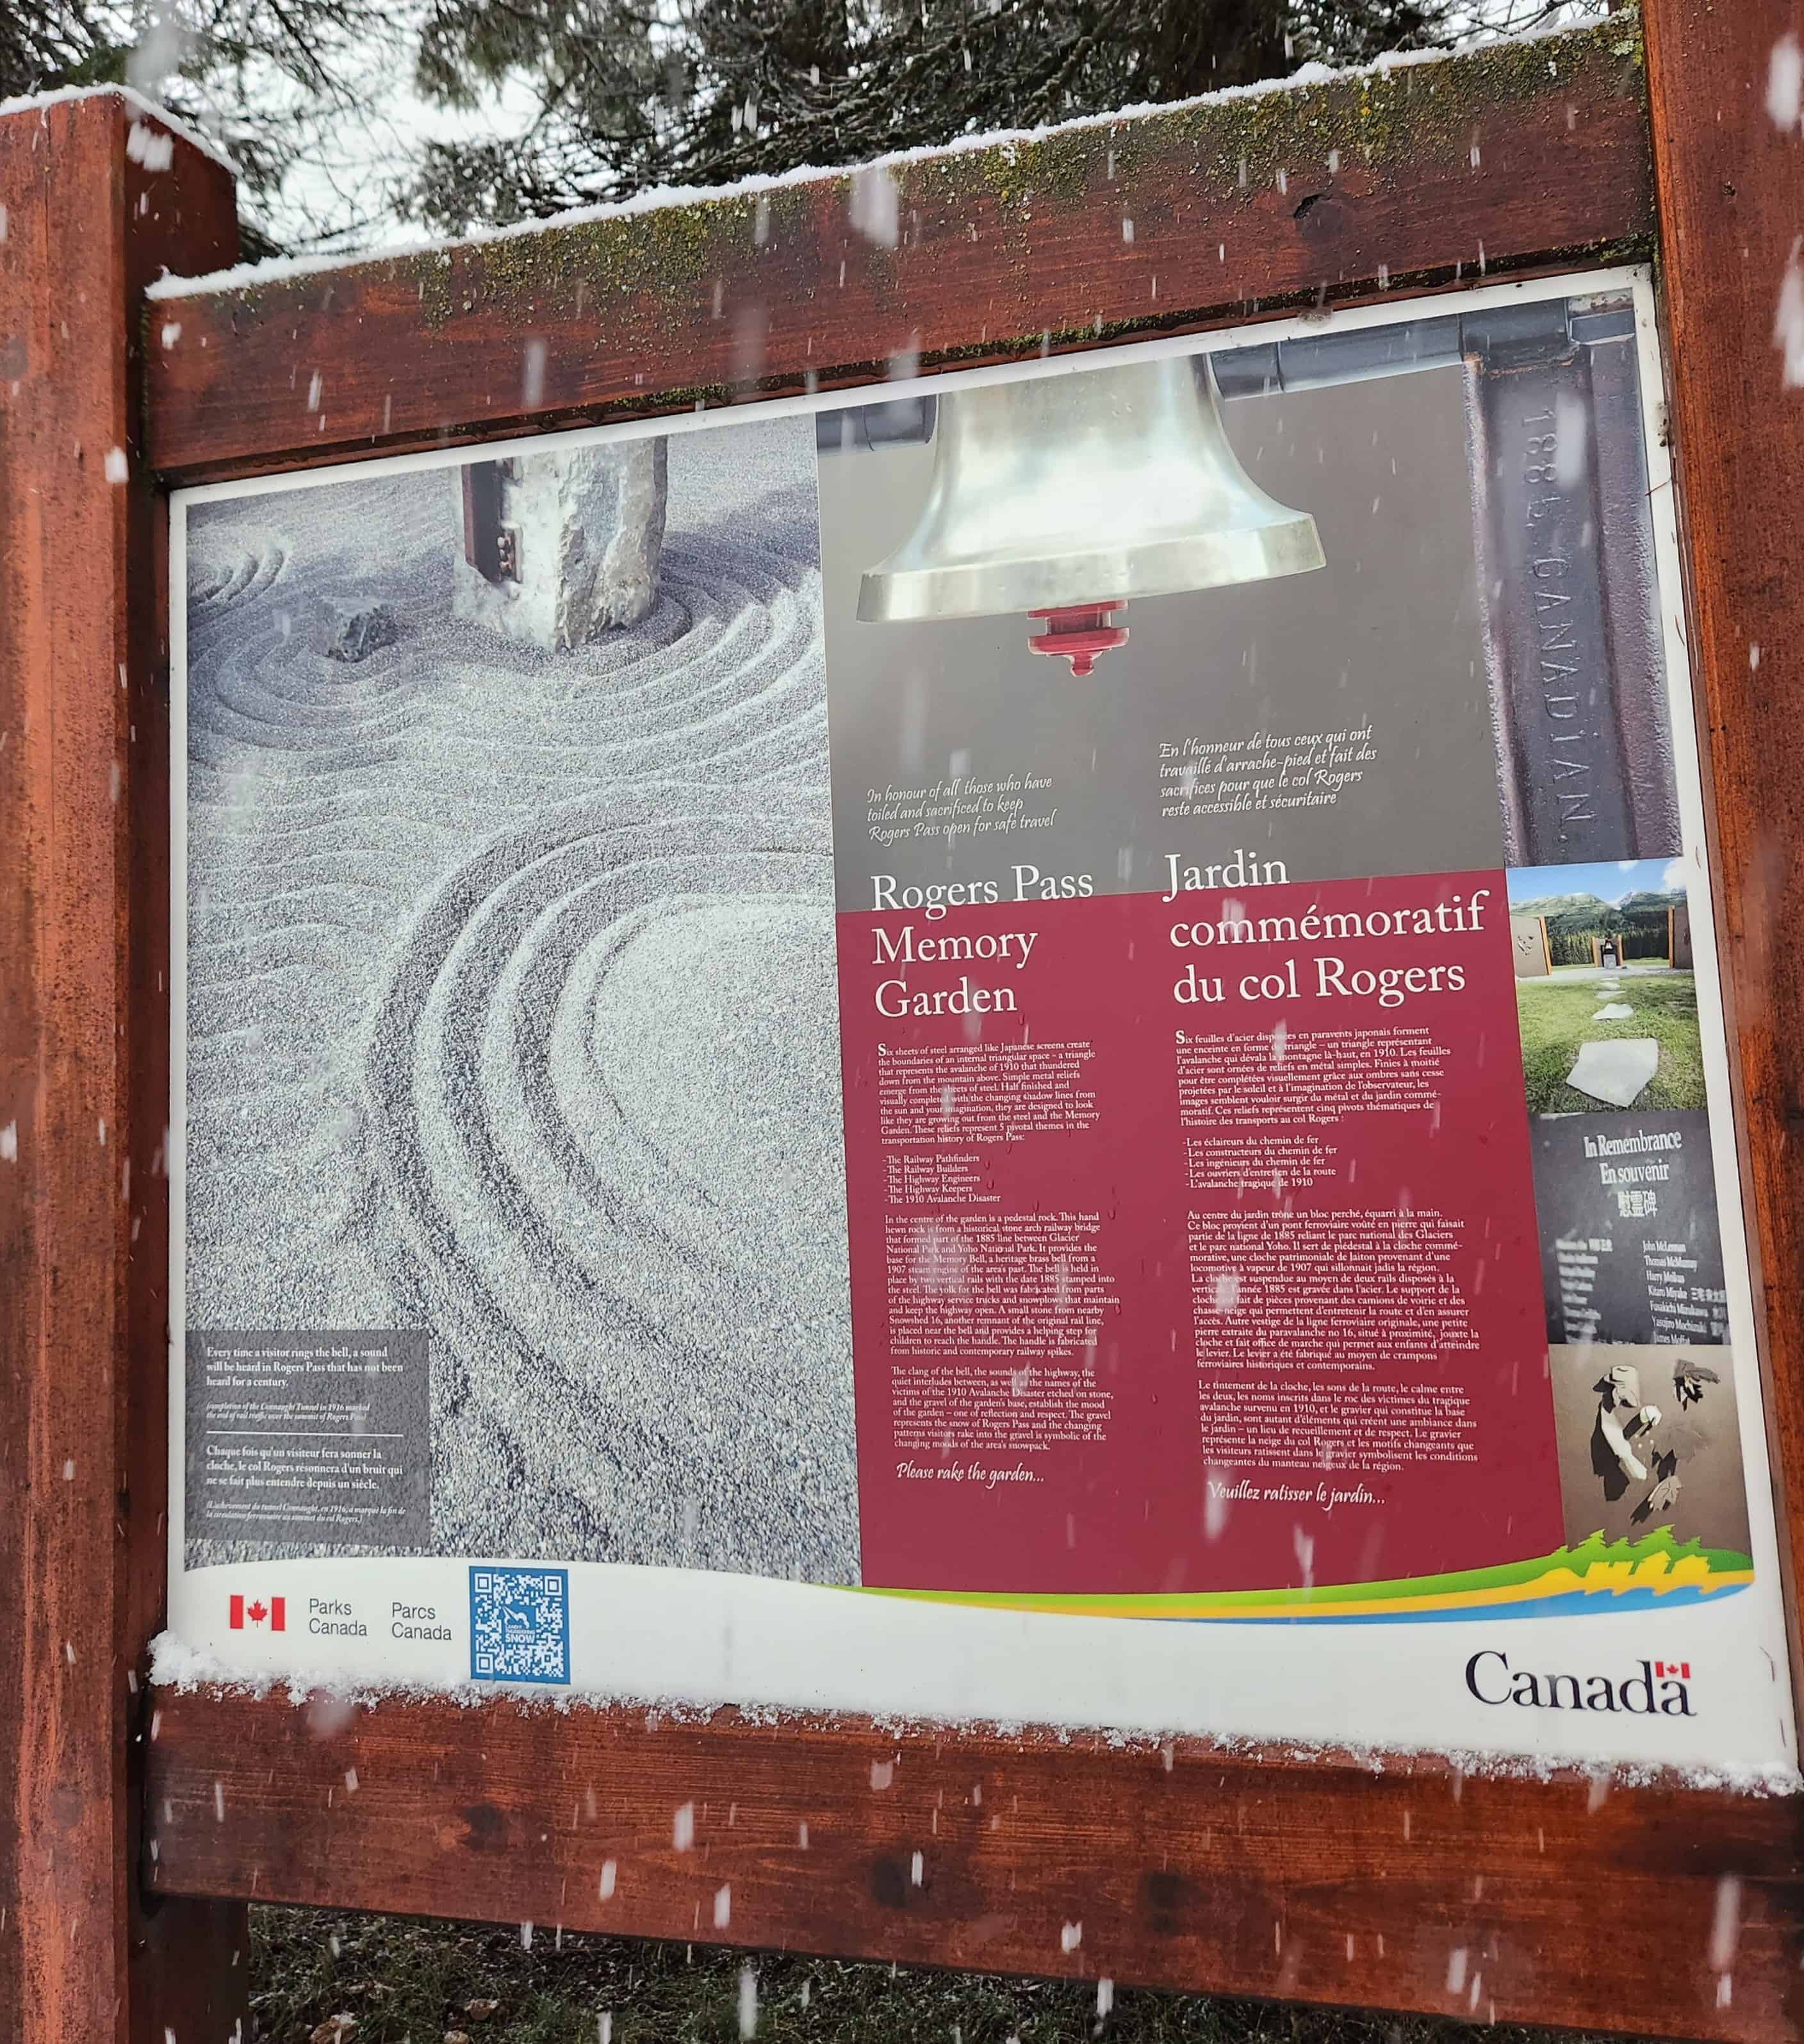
(519,1625)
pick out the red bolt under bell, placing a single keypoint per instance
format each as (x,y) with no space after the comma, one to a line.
(1078,632)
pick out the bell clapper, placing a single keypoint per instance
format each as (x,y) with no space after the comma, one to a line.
(1078,632)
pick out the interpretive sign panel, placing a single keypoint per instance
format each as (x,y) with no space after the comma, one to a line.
(1019,1053)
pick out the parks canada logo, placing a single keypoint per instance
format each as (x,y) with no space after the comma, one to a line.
(1657,1688)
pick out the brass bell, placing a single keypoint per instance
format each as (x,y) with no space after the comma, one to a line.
(1063,496)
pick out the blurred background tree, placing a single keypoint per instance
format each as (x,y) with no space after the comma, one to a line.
(354,119)
(702,91)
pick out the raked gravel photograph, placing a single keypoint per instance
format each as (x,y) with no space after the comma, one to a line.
(510,998)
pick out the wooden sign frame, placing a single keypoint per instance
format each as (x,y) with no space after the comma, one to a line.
(134,1827)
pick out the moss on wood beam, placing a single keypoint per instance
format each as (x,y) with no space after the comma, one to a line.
(1415,174)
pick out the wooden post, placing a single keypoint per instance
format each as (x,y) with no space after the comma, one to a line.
(1729,170)
(97,197)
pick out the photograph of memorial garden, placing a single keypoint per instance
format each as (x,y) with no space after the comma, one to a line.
(477,758)
(1606,997)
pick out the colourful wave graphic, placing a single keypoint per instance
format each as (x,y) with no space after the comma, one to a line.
(1612,1574)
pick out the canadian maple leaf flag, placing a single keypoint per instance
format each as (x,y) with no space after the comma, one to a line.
(1680,1668)
(273,1614)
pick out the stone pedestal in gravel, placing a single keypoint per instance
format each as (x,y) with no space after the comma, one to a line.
(585,530)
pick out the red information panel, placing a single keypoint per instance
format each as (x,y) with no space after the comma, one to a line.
(1163,1204)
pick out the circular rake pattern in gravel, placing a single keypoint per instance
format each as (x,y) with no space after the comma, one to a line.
(603,1089)
(634,1275)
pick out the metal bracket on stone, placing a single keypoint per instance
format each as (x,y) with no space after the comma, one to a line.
(1564,537)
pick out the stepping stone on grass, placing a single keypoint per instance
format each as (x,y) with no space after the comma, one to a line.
(1613,1010)
(1614,1072)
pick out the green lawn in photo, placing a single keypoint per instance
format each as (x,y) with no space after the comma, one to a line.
(1556,1017)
